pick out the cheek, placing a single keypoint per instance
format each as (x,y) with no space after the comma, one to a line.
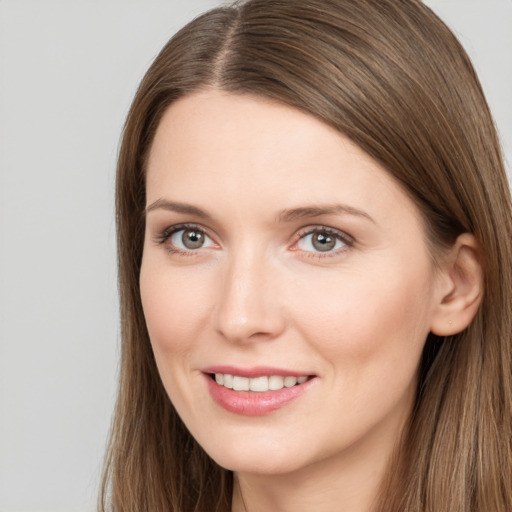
(367,320)
(174,307)
(370,332)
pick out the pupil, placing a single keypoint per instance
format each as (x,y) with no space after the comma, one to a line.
(323,242)
(192,239)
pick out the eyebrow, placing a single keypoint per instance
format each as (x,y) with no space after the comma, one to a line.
(316,211)
(287,215)
(173,206)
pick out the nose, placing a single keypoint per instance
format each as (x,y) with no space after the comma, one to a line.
(249,308)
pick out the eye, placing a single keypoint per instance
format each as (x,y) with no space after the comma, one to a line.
(323,240)
(184,239)
(190,239)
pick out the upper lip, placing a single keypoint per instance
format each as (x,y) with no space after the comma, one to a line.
(255,371)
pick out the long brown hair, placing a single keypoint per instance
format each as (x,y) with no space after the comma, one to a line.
(389,75)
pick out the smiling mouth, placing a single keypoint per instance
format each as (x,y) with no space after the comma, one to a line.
(258,384)
(258,391)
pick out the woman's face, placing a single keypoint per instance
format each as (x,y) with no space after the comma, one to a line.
(277,254)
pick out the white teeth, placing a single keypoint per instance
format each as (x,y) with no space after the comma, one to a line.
(258,384)
(290,381)
(240,383)
(275,382)
(228,381)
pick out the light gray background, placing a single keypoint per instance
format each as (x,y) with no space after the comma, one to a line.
(68,71)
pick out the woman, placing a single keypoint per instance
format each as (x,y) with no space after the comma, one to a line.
(315,250)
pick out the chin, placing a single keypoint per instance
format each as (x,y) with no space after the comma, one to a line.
(260,458)
(258,465)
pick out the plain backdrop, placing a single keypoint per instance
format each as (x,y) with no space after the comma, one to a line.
(68,71)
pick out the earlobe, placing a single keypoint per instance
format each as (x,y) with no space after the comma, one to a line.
(460,287)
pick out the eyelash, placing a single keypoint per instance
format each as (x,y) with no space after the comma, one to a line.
(347,240)
(167,233)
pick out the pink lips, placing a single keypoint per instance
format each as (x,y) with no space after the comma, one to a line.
(251,403)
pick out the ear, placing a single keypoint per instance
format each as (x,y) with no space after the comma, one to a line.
(459,287)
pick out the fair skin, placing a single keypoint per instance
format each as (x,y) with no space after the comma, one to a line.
(299,253)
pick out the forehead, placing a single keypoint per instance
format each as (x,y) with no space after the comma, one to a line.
(247,152)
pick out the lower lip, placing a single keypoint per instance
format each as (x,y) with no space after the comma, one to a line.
(254,403)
